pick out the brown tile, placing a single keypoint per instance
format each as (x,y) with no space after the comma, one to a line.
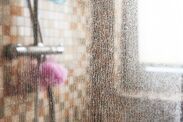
(66,96)
(75,11)
(22,117)
(71,104)
(41,111)
(16,11)
(14,109)
(5,2)
(71,72)
(2,120)
(29,106)
(6,30)
(57,98)
(66,82)
(80,94)
(1,112)
(1,91)
(72,88)
(1,101)
(56,91)
(62,106)
(66,112)
(13,39)
(73,26)
(8,119)
(45,96)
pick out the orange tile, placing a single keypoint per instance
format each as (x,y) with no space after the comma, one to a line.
(16,11)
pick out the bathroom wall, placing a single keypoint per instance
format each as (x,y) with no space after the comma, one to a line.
(60,23)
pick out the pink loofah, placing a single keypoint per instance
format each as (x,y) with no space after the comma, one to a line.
(52,73)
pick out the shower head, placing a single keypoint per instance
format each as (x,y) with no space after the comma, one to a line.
(58,1)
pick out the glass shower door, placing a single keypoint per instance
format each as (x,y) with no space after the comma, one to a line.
(136,70)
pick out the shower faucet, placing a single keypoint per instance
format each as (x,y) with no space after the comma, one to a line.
(37,49)
(13,51)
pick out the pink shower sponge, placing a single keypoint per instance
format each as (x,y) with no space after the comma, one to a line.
(51,73)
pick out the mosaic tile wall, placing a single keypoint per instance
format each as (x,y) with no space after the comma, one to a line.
(60,23)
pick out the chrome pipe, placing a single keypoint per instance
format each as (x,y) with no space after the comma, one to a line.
(13,51)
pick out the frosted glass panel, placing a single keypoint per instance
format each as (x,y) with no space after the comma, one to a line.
(160,31)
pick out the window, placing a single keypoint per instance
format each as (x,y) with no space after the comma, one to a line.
(160,24)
